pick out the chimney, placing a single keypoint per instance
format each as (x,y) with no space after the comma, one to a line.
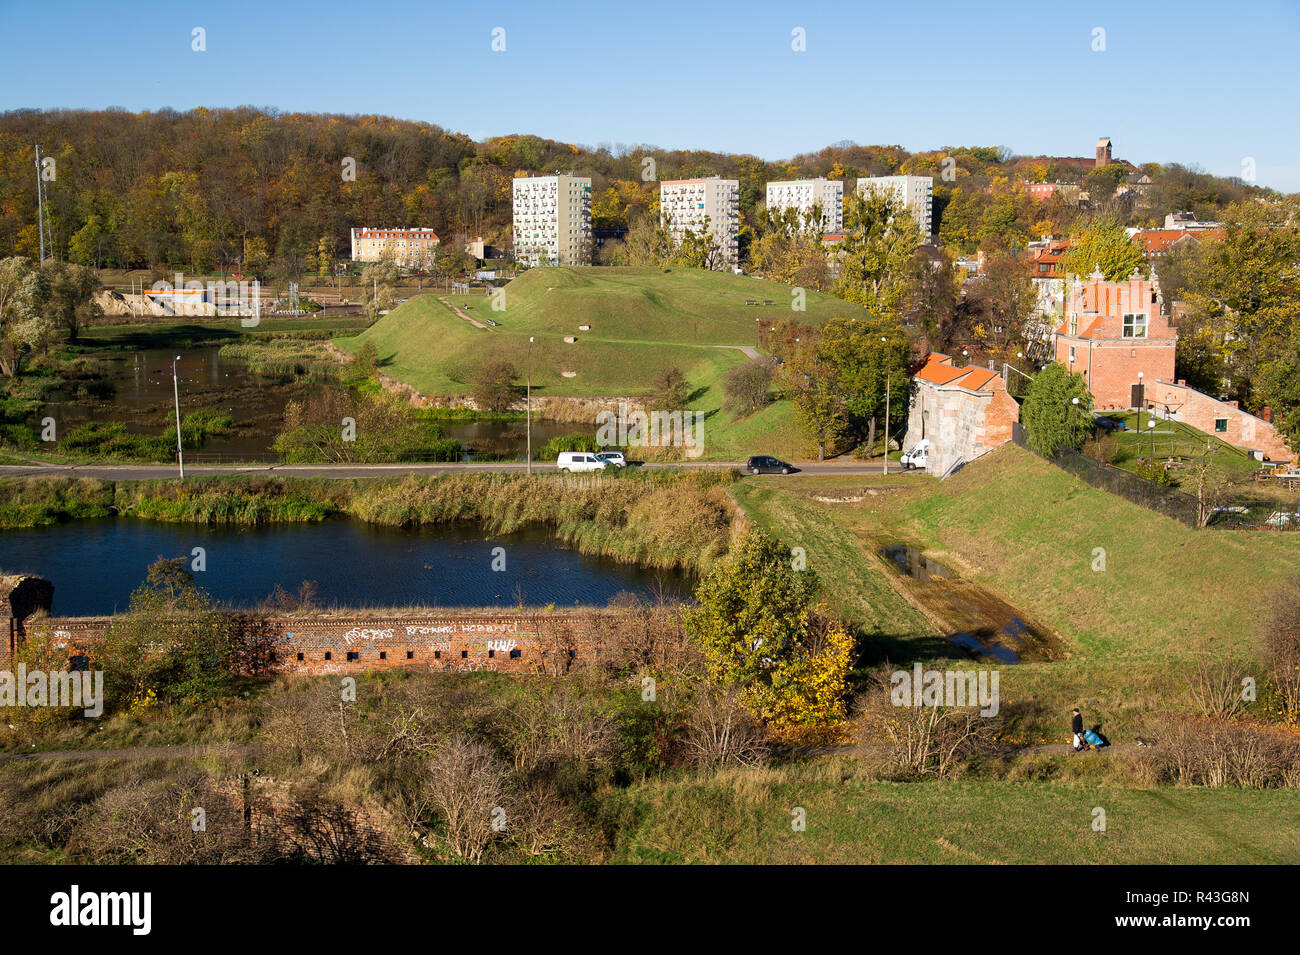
(1182,382)
(1267,414)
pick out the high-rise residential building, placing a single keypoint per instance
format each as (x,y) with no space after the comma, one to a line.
(412,248)
(697,204)
(552,220)
(803,194)
(916,193)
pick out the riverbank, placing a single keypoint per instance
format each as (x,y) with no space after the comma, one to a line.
(680,519)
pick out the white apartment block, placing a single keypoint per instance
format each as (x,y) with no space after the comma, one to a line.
(407,247)
(552,220)
(688,203)
(914,192)
(803,194)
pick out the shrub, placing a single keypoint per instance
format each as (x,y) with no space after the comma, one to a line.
(747,388)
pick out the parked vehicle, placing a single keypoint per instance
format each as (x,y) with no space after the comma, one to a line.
(764,464)
(918,456)
(572,461)
(614,458)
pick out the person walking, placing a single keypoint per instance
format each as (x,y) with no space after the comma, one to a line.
(1076,728)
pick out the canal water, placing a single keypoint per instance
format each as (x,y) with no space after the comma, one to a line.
(95,564)
(974,619)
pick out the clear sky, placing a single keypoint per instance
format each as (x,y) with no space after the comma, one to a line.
(1204,84)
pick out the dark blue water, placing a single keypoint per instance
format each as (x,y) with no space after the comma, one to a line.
(94,565)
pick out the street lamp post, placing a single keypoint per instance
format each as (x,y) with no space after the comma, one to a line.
(176,393)
(1151,426)
(884,464)
(528,403)
(1142,398)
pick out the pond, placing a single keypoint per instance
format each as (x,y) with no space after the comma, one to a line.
(142,400)
(95,564)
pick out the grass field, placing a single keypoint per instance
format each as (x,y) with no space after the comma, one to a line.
(745,817)
(1031,532)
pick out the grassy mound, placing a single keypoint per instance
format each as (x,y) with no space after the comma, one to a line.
(641,321)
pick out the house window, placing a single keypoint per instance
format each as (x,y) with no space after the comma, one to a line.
(353,656)
(1221,425)
(1135,326)
(410,654)
(383,654)
(329,655)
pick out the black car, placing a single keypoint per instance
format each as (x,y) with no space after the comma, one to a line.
(762,464)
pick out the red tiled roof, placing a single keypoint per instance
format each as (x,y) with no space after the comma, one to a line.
(939,370)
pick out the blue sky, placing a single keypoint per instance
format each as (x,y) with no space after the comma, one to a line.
(1199,83)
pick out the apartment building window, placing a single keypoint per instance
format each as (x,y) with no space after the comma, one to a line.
(1135,326)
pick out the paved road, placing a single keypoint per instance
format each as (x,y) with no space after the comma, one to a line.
(134,472)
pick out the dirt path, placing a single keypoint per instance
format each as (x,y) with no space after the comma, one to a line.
(132,752)
(461,314)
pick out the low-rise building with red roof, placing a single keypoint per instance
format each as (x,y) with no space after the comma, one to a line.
(962,412)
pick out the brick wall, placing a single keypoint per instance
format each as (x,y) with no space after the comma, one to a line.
(349,643)
(1242,429)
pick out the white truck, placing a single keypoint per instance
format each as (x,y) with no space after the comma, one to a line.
(917,456)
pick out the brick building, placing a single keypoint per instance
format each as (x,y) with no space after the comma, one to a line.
(1223,419)
(1117,336)
(964,412)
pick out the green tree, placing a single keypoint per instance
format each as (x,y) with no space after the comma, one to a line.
(1056,421)
(671,390)
(84,246)
(812,386)
(868,358)
(172,642)
(880,238)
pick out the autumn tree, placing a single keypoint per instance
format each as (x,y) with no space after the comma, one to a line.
(1103,245)
(72,291)
(494,385)
(761,632)
(25,324)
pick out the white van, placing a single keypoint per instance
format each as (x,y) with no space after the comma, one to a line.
(579,461)
(918,456)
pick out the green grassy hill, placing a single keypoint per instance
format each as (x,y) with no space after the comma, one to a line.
(642,320)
